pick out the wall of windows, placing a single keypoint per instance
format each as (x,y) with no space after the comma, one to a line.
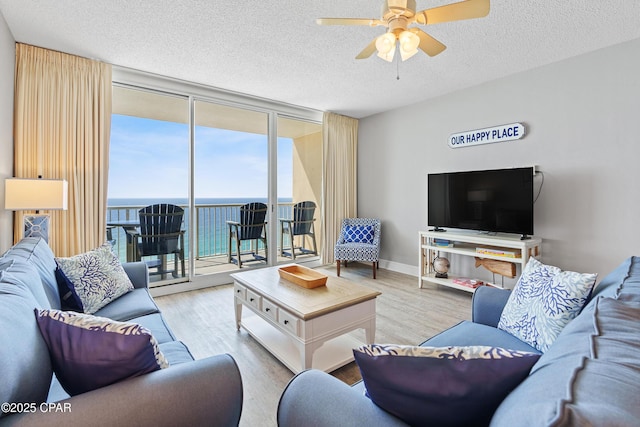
(210,152)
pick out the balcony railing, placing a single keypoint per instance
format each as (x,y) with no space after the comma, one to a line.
(212,234)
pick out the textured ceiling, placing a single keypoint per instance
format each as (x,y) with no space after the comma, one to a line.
(274,49)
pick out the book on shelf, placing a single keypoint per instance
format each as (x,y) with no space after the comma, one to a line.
(468,282)
(442,243)
(498,252)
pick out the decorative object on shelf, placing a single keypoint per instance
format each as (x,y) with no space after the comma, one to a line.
(503,268)
(443,242)
(441,267)
(498,252)
(468,282)
(24,194)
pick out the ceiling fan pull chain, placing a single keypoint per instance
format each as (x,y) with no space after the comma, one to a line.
(397,67)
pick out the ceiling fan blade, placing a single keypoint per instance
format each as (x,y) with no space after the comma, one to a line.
(428,44)
(368,51)
(467,9)
(349,21)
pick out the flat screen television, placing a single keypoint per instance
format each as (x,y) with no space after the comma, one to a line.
(499,200)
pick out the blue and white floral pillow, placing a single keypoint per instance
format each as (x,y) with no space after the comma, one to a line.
(358,234)
(96,277)
(544,300)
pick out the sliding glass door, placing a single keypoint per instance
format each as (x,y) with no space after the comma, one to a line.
(236,172)
(149,166)
(230,183)
(299,175)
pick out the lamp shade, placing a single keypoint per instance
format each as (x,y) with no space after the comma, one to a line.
(35,194)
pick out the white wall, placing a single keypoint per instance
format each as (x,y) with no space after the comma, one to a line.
(7,66)
(582,118)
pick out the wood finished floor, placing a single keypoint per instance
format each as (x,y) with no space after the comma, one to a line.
(204,321)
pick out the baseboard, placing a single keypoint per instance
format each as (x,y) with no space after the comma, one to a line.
(398,267)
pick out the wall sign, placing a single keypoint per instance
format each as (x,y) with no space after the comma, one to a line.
(502,133)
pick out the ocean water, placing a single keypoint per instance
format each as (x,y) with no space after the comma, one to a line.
(213,231)
(185,201)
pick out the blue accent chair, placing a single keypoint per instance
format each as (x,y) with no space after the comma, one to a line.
(359,240)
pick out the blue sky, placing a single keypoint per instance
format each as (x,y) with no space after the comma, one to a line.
(150,159)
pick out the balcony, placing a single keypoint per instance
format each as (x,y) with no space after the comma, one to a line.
(212,237)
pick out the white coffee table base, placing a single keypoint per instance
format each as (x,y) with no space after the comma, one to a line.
(331,354)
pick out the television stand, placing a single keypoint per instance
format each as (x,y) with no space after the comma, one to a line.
(438,230)
(508,248)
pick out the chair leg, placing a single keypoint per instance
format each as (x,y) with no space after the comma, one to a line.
(315,246)
(266,251)
(174,273)
(374,269)
(238,253)
(338,266)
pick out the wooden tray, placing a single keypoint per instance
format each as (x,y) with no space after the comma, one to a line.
(302,276)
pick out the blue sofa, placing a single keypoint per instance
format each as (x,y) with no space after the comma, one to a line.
(188,392)
(589,376)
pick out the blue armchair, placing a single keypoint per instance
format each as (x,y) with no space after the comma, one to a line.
(359,240)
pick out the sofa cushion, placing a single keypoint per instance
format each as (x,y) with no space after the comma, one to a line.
(358,234)
(589,376)
(468,333)
(129,306)
(444,386)
(97,277)
(90,352)
(543,301)
(155,324)
(25,368)
(19,271)
(37,252)
(176,352)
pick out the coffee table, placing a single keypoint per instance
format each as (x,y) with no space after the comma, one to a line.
(305,328)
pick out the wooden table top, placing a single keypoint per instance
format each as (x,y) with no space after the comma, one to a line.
(305,303)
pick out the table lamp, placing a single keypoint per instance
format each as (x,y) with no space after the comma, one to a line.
(23,194)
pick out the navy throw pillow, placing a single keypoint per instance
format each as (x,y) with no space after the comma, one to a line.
(441,386)
(88,352)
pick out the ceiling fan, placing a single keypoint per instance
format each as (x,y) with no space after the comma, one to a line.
(397,15)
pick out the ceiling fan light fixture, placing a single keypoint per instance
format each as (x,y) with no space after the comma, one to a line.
(387,56)
(408,43)
(398,16)
(386,46)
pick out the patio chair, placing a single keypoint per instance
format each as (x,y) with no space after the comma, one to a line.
(359,240)
(110,238)
(253,227)
(302,224)
(160,234)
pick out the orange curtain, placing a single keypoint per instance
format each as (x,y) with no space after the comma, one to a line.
(61,131)
(340,185)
